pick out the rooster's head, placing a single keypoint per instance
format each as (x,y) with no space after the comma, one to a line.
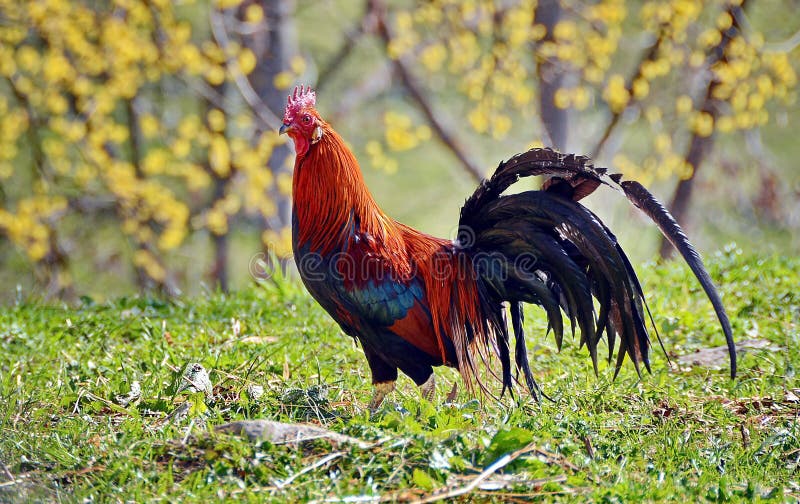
(301,121)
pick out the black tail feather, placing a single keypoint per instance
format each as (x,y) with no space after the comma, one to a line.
(647,203)
(565,242)
(520,350)
(576,257)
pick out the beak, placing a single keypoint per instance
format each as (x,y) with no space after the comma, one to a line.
(284,128)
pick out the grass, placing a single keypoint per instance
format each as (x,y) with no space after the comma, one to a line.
(679,435)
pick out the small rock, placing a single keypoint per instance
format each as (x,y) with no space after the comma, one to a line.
(196,379)
(134,395)
(282,433)
(255,392)
(717,357)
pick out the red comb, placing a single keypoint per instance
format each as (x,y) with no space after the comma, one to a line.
(302,97)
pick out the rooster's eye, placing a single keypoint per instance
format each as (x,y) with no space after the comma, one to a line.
(306,119)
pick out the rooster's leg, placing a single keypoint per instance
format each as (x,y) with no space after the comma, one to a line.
(381,390)
(428,388)
(383,376)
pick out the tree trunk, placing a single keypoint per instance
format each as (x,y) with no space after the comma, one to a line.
(550,79)
(219,267)
(699,147)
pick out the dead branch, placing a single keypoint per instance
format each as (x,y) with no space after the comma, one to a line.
(321,462)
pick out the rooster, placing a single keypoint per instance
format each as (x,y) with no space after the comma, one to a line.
(414,301)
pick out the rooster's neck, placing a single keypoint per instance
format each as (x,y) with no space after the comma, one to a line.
(331,199)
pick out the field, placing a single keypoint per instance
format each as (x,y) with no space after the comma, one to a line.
(94,406)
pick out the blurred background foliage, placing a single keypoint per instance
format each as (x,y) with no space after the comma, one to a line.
(138,145)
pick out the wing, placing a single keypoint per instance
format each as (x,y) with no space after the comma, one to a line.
(383,302)
(384,306)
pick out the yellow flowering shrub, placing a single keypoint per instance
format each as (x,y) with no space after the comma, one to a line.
(116,110)
(616,56)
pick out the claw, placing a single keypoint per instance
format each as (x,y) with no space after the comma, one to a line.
(428,388)
(451,396)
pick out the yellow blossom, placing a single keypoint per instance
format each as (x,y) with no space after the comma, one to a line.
(227,4)
(641,88)
(565,30)
(216,120)
(702,124)
(615,93)
(215,75)
(684,104)
(433,56)
(561,98)
(279,242)
(282,80)
(219,156)
(663,143)
(246,61)
(149,125)
(653,114)
(298,65)
(399,133)
(725,124)
(478,119)
(254,13)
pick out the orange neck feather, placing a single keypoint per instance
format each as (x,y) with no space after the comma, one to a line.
(330,195)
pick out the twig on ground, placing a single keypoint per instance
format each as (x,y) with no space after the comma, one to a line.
(188,432)
(8,473)
(324,460)
(745,436)
(587,442)
(472,485)
(528,495)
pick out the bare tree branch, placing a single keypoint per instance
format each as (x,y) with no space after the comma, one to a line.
(219,267)
(415,91)
(267,117)
(134,135)
(366,25)
(166,285)
(371,86)
(275,50)
(199,86)
(55,261)
(786,46)
(32,132)
(647,56)
(218,272)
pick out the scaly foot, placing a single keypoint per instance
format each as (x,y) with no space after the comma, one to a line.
(381,389)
